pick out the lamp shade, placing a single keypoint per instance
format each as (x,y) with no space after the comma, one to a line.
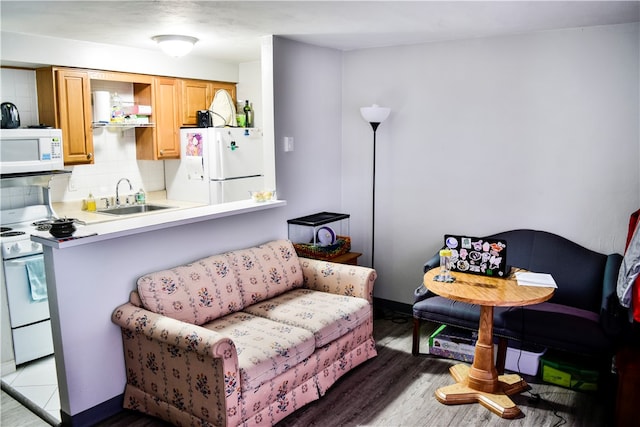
(375,113)
(175,45)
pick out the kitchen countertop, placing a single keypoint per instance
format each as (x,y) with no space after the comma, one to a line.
(74,209)
(98,227)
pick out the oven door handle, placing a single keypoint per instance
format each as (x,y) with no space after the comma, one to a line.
(21,262)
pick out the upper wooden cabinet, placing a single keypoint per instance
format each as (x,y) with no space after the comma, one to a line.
(163,142)
(198,95)
(64,101)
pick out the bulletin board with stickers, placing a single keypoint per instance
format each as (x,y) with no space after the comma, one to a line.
(475,255)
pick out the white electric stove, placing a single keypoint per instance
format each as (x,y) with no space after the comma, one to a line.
(25,281)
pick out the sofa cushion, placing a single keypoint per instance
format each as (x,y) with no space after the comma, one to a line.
(554,326)
(547,324)
(196,293)
(265,348)
(221,284)
(266,270)
(443,310)
(327,316)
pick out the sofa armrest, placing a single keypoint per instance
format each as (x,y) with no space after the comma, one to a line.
(612,314)
(183,335)
(156,347)
(340,279)
(433,262)
(421,293)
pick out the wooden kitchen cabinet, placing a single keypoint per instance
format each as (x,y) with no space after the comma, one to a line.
(64,101)
(163,141)
(198,95)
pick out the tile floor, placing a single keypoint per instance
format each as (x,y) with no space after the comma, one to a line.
(37,381)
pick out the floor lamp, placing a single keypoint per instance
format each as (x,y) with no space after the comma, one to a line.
(374,115)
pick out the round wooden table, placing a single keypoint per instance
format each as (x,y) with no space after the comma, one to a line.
(480,382)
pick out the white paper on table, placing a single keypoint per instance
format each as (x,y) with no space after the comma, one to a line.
(535,279)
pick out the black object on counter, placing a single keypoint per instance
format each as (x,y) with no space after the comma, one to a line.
(62,227)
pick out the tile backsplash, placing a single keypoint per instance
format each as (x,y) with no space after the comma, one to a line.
(114,150)
(19,87)
(19,197)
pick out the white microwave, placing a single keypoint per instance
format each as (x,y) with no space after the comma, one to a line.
(30,150)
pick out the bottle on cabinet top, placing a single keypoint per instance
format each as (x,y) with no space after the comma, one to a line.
(248,116)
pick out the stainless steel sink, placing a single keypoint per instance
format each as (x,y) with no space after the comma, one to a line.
(133,209)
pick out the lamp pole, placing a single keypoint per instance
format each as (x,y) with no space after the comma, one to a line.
(374,115)
(374,125)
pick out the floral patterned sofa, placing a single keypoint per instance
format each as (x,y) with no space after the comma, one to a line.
(245,337)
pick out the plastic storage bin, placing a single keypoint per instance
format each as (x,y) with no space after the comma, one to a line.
(324,235)
(453,343)
(570,372)
(523,360)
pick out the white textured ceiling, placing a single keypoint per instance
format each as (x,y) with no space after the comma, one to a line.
(230,30)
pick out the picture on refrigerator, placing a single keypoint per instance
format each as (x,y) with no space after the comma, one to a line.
(194,145)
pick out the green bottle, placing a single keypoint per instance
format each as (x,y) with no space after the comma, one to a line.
(247,114)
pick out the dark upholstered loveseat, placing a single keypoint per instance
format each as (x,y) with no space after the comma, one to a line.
(583,316)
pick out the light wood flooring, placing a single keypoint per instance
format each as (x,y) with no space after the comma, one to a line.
(397,389)
(13,414)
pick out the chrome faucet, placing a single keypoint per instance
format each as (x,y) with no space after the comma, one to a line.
(118,185)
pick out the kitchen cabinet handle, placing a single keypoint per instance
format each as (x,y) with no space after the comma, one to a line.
(89,156)
(162,152)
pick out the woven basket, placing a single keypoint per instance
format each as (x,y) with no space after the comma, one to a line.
(308,250)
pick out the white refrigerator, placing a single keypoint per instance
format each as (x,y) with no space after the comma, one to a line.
(216,165)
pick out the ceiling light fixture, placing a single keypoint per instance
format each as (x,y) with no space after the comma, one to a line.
(174,45)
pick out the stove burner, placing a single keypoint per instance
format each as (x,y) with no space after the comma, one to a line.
(4,229)
(42,225)
(12,233)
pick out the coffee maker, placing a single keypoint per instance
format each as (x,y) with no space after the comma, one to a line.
(205,119)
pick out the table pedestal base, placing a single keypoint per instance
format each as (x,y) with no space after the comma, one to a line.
(497,402)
